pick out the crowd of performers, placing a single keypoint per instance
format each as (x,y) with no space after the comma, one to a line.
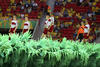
(14,25)
(83,32)
(48,27)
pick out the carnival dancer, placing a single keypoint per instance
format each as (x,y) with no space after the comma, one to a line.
(26,25)
(14,24)
(86,31)
(80,34)
(49,25)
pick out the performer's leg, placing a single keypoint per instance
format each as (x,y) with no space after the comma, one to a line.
(48,34)
(43,36)
(51,30)
(25,30)
(9,36)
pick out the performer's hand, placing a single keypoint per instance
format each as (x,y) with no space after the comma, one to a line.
(15,31)
(48,27)
(9,31)
(88,34)
(76,37)
(45,26)
(52,24)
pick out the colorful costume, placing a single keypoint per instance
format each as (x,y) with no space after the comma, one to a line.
(86,30)
(49,25)
(13,26)
(26,26)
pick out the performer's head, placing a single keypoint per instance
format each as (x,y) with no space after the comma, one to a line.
(47,16)
(52,15)
(26,18)
(82,23)
(86,22)
(14,17)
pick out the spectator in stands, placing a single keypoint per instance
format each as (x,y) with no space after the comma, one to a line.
(92,37)
(57,27)
(80,32)
(92,32)
(73,1)
(57,13)
(61,14)
(14,4)
(22,7)
(22,16)
(66,25)
(90,3)
(29,9)
(34,5)
(61,2)
(89,14)
(57,2)
(97,31)
(79,2)
(27,4)
(62,25)
(85,3)
(93,18)
(69,1)
(65,13)
(19,3)
(24,0)
(75,35)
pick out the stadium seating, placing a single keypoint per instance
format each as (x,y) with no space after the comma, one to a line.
(75,10)
(9,7)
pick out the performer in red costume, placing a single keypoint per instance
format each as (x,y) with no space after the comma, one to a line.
(52,23)
(13,27)
(26,25)
(86,31)
(14,24)
(49,25)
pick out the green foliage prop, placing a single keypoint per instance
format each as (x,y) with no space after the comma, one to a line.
(21,51)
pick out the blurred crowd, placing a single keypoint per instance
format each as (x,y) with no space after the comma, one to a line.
(75,12)
(22,8)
